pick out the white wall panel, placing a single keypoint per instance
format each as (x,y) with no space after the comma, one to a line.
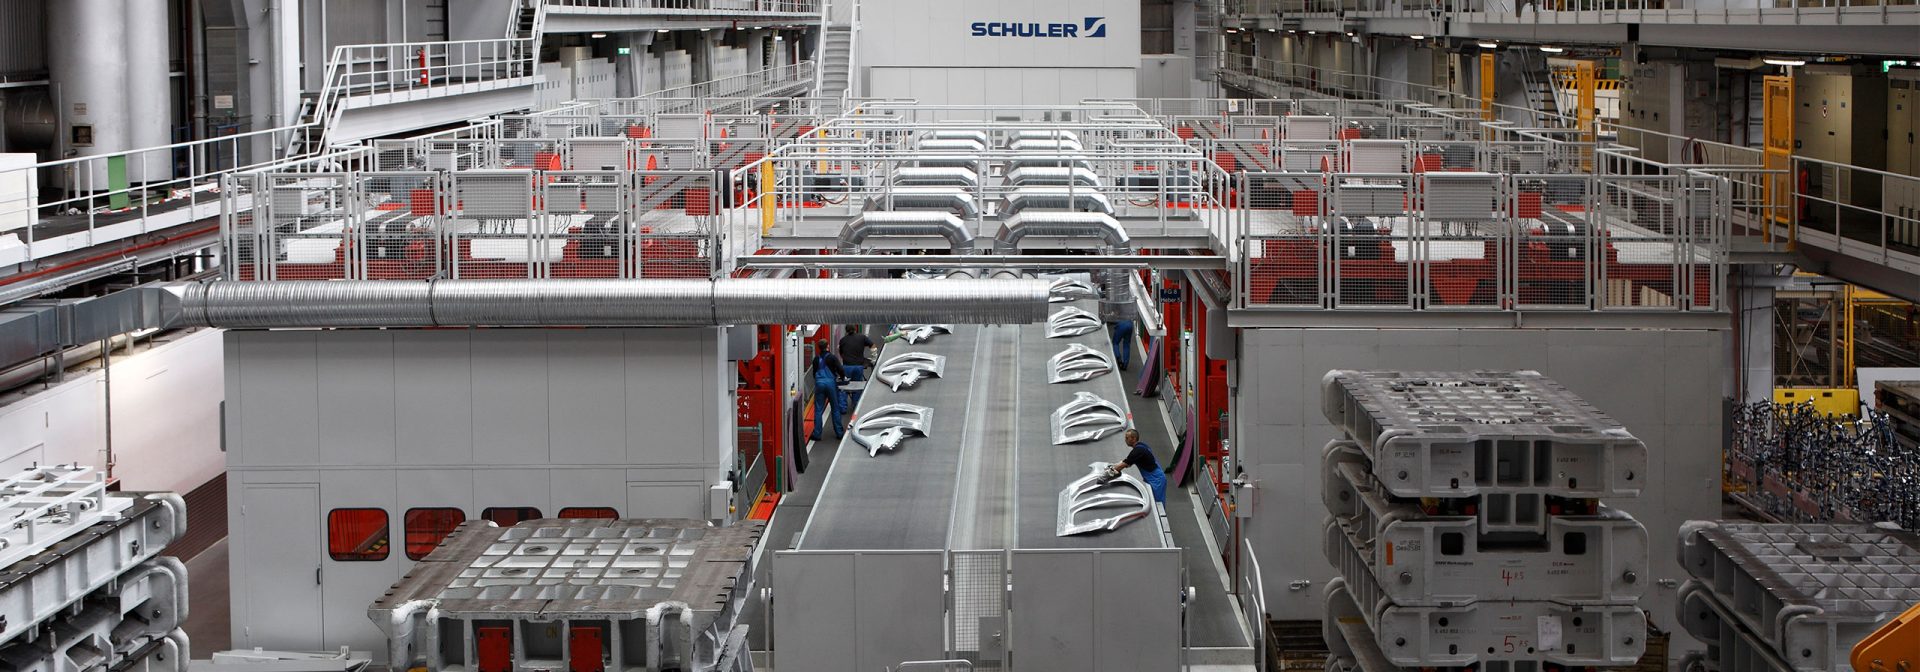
(275,422)
(583,394)
(510,396)
(929,36)
(356,398)
(431,367)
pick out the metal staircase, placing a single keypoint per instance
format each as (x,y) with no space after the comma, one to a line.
(1542,100)
(836,65)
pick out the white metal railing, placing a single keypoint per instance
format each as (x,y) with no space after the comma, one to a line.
(700,6)
(181,177)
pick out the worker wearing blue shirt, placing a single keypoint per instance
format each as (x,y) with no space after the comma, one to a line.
(1141,457)
(827,376)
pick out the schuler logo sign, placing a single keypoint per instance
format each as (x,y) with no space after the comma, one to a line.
(1092,26)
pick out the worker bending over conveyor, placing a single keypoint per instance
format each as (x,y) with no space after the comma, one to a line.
(1141,457)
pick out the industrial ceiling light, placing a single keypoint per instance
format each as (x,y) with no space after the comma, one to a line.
(1489,45)
(886,427)
(906,369)
(706,30)
(599,35)
(1551,50)
(1418,37)
(1077,363)
(1071,321)
(1102,489)
(1086,418)
(1785,62)
(663,30)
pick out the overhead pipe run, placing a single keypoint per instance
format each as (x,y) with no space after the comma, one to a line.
(1118,304)
(626,303)
(907,223)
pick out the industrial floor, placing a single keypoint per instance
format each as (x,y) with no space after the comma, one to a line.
(209,623)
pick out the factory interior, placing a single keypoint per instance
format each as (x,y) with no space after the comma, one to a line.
(934,336)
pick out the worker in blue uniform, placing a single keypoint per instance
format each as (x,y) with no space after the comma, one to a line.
(827,376)
(1141,457)
(1122,342)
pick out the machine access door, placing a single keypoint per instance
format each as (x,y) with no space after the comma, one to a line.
(278,558)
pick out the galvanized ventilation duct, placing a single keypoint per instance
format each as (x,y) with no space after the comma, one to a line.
(1057,198)
(911,223)
(626,303)
(1119,293)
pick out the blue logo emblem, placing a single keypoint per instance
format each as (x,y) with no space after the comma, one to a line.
(1092,26)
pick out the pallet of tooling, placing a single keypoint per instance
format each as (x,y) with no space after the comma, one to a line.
(1459,434)
(1353,648)
(1436,552)
(1792,596)
(1466,521)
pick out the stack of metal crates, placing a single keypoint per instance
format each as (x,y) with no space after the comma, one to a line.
(1468,526)
(1777,597)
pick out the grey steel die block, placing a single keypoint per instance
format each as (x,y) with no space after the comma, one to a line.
(1459,434)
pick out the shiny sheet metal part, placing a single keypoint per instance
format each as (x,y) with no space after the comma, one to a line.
(1071,321)
(1098,491)
(1072,288)
(917,333)
(886,427)
(908,368)
(1076,363)
(1086,418)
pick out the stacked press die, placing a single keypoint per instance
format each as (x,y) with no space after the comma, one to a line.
(1467,524)
(1781,597)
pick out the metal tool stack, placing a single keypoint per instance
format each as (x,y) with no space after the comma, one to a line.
(84,587)
(1468,527)
(1775,597)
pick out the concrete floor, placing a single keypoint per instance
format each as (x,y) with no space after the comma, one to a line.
(209,623)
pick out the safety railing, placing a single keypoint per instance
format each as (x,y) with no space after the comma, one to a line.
(480,223)
(1439,241)
(408,70)
(1862,213)
(687,6)
(108,197)
(1252,587)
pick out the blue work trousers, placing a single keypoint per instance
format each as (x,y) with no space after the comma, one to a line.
(826,394)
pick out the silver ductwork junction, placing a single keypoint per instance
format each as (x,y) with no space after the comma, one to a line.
(600,303)
(1119,294)
(1044,160)
(907,369)
(912,176)
(1046,145)
(910,223)
(951,145)
(1045,134)
(940,199)
(1086,418)
(958,134)
(1053,176)
(1057,198)
(1098,490)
